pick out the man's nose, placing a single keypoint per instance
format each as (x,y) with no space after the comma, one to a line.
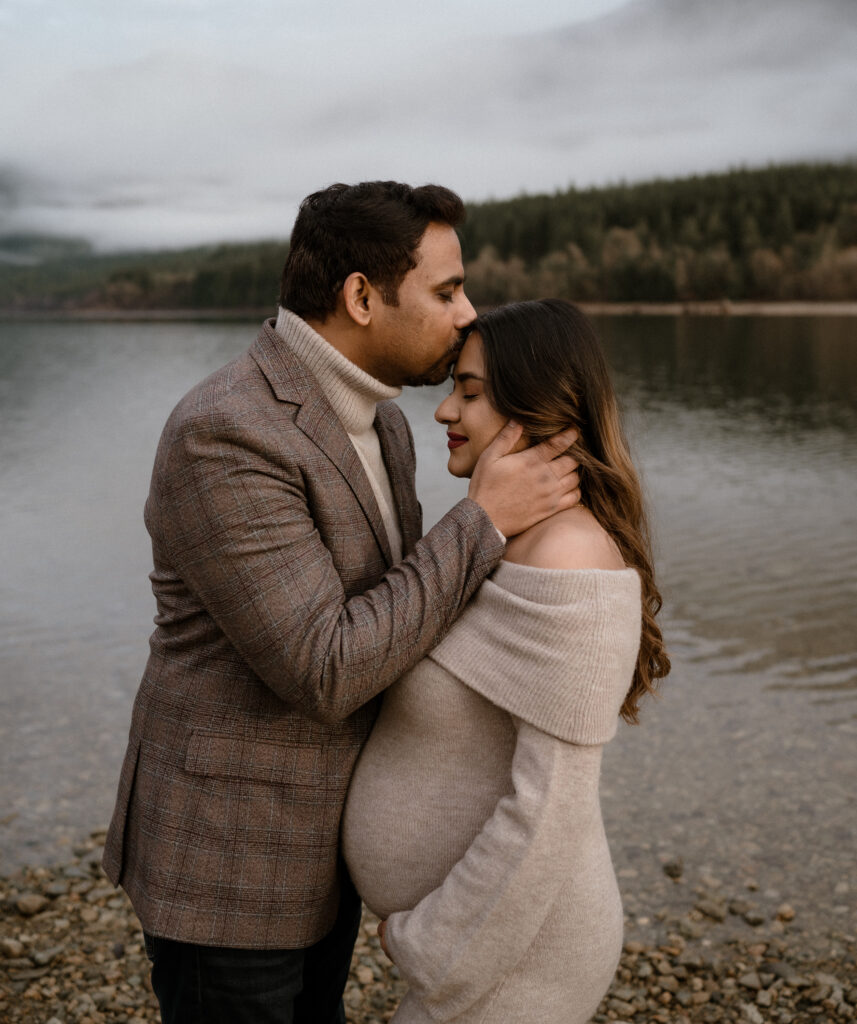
(465,314)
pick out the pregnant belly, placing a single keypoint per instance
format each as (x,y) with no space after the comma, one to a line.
(428,779)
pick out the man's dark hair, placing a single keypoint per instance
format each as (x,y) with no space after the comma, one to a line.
(374,228)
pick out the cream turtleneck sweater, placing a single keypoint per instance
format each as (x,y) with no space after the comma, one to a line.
(353,395)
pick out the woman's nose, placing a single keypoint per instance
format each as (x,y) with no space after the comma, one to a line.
(445,412)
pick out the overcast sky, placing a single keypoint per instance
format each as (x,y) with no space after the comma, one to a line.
(169,122)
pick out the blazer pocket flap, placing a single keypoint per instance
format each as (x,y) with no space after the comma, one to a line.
(239,757)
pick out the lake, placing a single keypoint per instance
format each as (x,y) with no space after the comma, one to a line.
(745,431)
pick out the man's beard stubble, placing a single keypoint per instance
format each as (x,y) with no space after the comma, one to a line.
(441,370)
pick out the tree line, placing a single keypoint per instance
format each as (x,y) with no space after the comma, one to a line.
(228,276)
(786,232)
(782,232)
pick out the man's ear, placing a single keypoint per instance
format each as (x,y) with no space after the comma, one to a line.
(357,297)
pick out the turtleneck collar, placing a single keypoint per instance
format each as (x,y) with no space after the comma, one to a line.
(352,392)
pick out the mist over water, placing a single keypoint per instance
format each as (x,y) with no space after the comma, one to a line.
(745,432)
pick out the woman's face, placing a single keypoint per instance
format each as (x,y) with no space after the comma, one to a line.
(472,422)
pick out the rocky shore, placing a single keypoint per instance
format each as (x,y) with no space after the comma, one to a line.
(71,952)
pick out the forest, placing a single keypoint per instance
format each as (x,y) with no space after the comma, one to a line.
(779,233)
(787,232)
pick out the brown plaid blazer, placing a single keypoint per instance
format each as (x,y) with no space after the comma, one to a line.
(279,618)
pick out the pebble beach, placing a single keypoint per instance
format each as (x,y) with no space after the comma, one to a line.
(71,952)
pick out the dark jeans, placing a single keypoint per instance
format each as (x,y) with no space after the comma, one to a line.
(218,985)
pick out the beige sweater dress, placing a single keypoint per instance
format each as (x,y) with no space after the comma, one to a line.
(473,822)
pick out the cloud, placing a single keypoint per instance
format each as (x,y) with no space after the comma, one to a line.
(185,143)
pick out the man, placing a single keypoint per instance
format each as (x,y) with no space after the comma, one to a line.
(281,506)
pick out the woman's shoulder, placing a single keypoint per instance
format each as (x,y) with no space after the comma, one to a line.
(572,539)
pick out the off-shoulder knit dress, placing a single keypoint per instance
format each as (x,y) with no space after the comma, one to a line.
(473,822)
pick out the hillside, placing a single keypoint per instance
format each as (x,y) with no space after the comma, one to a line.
(778,233)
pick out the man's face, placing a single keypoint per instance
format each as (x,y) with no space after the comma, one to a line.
(417,341)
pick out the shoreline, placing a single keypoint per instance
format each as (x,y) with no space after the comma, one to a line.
(71,952)
(720,307)
(714,308)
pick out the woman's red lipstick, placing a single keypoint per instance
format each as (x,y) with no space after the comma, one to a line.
(454,440)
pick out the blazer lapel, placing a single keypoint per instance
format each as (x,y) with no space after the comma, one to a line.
(321,424)
(393,446)
(292,382)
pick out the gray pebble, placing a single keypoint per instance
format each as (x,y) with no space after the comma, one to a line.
(740,907)
(11,948)
(789,975)
(74,871)
(30,903)
(712,909)
(624,993)
(752,1014)
(823,978)
(690,929)
(43,957)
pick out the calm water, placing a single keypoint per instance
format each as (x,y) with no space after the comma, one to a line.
(746,434)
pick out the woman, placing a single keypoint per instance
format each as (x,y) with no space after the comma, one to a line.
(473,824)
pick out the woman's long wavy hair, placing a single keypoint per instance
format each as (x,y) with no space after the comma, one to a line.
(545,369)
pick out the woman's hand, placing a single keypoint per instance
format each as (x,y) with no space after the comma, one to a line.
(382,928)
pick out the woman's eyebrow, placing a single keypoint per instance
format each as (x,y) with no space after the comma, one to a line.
(469,376)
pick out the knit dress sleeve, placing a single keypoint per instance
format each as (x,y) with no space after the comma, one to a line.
(461,939)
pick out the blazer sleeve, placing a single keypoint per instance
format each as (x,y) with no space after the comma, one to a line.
(232,517)
(463,937)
